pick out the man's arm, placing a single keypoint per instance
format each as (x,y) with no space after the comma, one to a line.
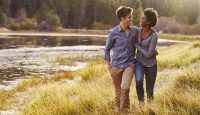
(109,46)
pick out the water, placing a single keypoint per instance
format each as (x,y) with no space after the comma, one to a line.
(25,56)
(46,41)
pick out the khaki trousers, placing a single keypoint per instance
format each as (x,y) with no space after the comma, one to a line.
(122,80)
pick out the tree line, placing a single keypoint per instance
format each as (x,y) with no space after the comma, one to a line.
(84,13)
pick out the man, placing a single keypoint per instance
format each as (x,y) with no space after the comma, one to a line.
(122,65)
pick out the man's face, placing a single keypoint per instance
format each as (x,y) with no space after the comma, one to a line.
(128,19)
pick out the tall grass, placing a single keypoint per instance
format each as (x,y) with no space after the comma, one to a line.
(95,94)
(179,56)
(33,82)
(36,81)
(90,97)
(93,71)
(182,97)
(4,95)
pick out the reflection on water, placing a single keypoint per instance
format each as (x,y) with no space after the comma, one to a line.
(12,42)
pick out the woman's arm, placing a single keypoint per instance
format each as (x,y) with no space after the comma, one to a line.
(151,49)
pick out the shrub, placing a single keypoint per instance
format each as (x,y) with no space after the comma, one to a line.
(53,21)
(14,26)
(28,24)
(137,13)
(100,26)
(173,25)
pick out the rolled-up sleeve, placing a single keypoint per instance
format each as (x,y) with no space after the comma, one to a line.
(151,49)
(109,46)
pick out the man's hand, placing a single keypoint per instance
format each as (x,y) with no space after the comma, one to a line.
(109,65)
(155,52)
(134,38)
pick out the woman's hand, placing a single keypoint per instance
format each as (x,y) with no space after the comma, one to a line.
(134,39)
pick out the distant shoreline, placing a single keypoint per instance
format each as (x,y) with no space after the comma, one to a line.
(62,34)
(87,33)
(81,31)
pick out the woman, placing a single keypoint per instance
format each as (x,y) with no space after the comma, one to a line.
(146,63)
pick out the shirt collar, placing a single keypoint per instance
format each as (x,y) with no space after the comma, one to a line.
(120,28)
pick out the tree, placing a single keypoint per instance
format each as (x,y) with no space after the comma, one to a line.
(137,13)
(84,13)
(42,13)
(62,9)
(5,5)
(45,14)
(1,18)
(53,21)
(89,17)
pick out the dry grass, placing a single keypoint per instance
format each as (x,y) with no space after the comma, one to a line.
(96,96)
(179,56)
(91,95)
(95,93)
(180,37)
(33,82)
(70,59)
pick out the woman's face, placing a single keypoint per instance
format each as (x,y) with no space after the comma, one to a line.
(128,19)
(143,21)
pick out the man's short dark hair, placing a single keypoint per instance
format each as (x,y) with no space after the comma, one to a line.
(152,16)
(123,11)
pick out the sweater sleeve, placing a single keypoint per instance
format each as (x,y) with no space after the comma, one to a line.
(152,47)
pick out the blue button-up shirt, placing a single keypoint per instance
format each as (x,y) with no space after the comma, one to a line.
(123,49)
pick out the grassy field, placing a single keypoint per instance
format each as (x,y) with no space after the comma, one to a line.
(179,56)
(180,37)
(177,89)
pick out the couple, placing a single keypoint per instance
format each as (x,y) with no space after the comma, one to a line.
(124,39)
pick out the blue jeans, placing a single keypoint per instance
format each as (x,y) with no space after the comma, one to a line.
(150,76)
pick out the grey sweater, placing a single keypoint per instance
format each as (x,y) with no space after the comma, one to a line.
(145,49)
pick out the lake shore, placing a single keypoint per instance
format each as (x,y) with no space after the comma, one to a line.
(100,33)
